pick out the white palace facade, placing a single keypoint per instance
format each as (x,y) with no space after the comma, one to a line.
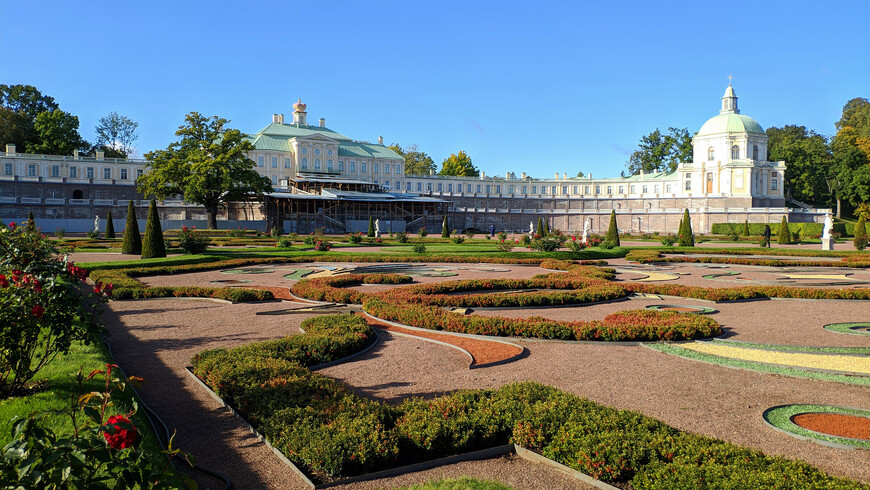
(325,179)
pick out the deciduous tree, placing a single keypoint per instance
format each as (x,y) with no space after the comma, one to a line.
(807,156)
(57,133)
(209,165)
(416,161)
(116,132)
(661,152)
(459,164)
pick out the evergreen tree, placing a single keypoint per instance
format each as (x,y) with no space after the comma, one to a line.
(110,227)
(153,245)
(687,237)
(540,230)
(612,236)
(445,233)
(371,232)
(132,239)
(860,240)
(546,228)
(784,237)
(746,228)
(31,223)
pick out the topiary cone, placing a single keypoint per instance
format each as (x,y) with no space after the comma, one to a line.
(445,233)
(110,227)
(540,229)
(687,236)
(546,229)
(371,227)
(746,228)
(784,237)
(612,230)
(153,245)
(860,240)
(132,239)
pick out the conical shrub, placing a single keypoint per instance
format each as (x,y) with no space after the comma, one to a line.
(371,227)
(546,228)
(132,239)
(746,228)
(687,236)
(784,237)
(612,236)
(110,227)
(860,240)
(445,233)
(152,245)
(540,230)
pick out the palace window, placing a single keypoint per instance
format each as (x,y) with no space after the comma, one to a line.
(543,189)
(386,168)
(610,189)
(317,151)
(305,151)
(429,186)
(31,170)
(398,168)
(107,173)
(376,181)
(304,164)
(123,174)
(525,189)
(487,189)
(260,162)
(352,166)
(688,182)
(576,189)
(773,181)
(632,189)
(564,189)
(644,189)
(657,188)
(710,154)
(286,163)
(469,188)
(449,187)
(341,165)
(274,180)
(55,170)
(534,189)
(362,167)
(89,172)
(597,189)
(667,187)
(478,188)
(7,169)
(316,164)
(735,152)
(376,168)
(755,152)
(386,183)
(73,172)
(419,186)
(553,190)
(440,186)
(498,189)
(621,189)
(585,189)
(274,162)
(329,164)
(510,189)
(329,153)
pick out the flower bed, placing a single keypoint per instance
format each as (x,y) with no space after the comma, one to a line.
(332,288)
(330,432)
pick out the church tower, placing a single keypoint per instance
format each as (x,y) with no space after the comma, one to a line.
(729,102)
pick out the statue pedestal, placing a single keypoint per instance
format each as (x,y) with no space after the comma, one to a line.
(827,244)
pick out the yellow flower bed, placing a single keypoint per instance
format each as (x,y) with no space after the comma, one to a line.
(838,362)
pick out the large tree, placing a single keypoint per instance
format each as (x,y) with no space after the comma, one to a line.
(116,132)
(416,161)
(807,156)
(209,165)
(459,164)
(849,175)
(661,152)
(57,134)
(19,106)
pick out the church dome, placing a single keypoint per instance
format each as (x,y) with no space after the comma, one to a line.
(730,123)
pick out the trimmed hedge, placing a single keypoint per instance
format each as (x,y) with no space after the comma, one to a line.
(330,432)
(646,256)
(236,295)
(807,230)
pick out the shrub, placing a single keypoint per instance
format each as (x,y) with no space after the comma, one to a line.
(576,245)
(423,232)
(236,232)
(860,240)
(746,228)
(284,242)
(354,237)
(59,232)
(457,239)
(309,239)
(110,225)
(525,240)
(784,237)
(734,236)
(402,237)
(371,232)
(419,248)
(546,228)
(191,242)
(612,237)
(669,239)
(469,233)
(93,234)
(540,229)
(152,245)
(445,232)
(276,231)
(322,246)
(687,236)
(502,235)
(548,243)
(505,245)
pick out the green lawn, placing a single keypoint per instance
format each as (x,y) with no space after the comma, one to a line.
(463,483)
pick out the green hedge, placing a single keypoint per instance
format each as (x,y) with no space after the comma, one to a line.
(236,295)
(807,230)
(331,432)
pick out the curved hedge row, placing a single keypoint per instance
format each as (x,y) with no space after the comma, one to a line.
(236,295)
(331,432)
(332,288)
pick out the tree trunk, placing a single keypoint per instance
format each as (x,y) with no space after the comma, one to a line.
(838,208)
(212,211)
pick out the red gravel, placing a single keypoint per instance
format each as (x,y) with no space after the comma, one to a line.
(835,424)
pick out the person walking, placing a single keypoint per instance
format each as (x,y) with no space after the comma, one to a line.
(766,236)
(492,231)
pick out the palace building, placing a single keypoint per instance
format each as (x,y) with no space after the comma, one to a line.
(324,179)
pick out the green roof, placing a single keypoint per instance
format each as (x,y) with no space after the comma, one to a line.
(730,123)
(277,137)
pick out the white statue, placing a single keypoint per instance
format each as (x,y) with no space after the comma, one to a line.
(587,227)
(377,228)
(531,229)
(829,223)
(97,224)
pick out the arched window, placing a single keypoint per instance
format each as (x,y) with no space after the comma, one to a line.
(710,154)
(304,163)
(755,152)
(77,194)
(316,163)
(735,152)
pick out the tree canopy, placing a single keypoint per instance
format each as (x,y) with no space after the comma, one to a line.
(459,164)
(57,133)
(208,165)
(849,175)
(116,132)
(416,161)
(661,152)
(807,156)
(33,122)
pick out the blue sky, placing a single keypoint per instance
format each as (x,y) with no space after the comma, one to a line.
(539,87)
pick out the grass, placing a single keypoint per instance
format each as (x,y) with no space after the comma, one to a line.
(60,385)
(757,366)
(464,483)
(796,348)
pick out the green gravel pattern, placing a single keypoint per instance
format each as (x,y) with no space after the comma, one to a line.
(847,328)
(793,348)
(780,417)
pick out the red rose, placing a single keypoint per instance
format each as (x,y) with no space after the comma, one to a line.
(4,283)
(121,434)
(38,311)
(12,225)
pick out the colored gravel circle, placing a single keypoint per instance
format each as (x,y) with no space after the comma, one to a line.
(698,310)
(853,328)
(835,424)
(786,418)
